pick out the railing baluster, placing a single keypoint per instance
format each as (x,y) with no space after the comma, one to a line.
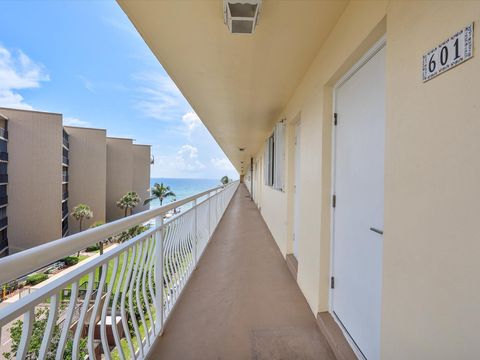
(195,236)
(28,319)
(67,321)
(209,215)
(126,328)
(141,266)
(176,234)
(103,318)
(168,267)
(51,323)
(145,282)
(118,291)
(81,321)
(158,272)
(130,300)
(151,275)
(93,314)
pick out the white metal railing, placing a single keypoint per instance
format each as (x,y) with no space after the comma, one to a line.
(121,311)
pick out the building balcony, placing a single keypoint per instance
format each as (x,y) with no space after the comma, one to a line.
(3,178)
(64,178)
(64,195)
(231,299)
(64,210)
(3,200)
(242,299)
(4,156)
(3,222)
(65,160)
(4,133)
(65,142)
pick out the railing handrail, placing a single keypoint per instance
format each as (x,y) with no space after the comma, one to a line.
(14,310)
(30,260)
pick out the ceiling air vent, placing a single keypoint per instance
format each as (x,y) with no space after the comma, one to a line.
(241,16)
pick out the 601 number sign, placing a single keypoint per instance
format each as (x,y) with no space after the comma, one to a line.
(453,51)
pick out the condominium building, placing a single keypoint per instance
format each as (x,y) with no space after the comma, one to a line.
(126,171)
(37,166)
(87,183)
(47,169)
(119,174)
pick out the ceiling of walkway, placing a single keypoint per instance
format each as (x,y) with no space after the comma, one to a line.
(237,84)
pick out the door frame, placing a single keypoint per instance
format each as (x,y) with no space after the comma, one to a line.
(296,176)
(379,45)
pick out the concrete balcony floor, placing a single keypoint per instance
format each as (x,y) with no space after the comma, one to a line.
(242,302)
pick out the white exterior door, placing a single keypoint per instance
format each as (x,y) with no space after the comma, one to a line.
(296,191)
(358,213)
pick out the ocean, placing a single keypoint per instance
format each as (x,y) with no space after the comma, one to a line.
(183,188)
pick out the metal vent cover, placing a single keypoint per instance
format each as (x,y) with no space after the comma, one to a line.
(241,16)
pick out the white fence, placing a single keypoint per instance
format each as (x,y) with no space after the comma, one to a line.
(122,308)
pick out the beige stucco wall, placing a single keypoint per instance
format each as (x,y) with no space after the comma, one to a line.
(87,173)
(119,174)
(358,28)
(431,305)
(34,178)
(431,301)
(141,174)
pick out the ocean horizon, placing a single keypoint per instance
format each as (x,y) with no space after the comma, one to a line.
(182,187)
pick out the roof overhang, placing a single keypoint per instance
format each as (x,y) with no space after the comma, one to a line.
(237,84)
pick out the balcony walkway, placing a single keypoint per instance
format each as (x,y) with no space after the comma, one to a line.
(242,302)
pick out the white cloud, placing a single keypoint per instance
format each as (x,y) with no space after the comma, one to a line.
(188,151)
(222,163)
(191,120)
(69,121)
(187,159)
(17,72)
(158,96)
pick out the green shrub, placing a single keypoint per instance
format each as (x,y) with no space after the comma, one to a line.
(37,334)
(70,260)
(92,248)
(35,279)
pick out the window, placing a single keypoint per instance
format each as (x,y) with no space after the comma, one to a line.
(3,212)
(3,146)
(3,168)
(274,158)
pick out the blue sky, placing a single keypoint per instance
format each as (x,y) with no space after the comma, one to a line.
(84,59)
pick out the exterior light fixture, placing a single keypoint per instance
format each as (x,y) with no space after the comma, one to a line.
(241,16)
(241,149)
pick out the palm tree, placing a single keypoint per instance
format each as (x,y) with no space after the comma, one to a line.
(225,180)
(160,192)
(81,212)
(128,201)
